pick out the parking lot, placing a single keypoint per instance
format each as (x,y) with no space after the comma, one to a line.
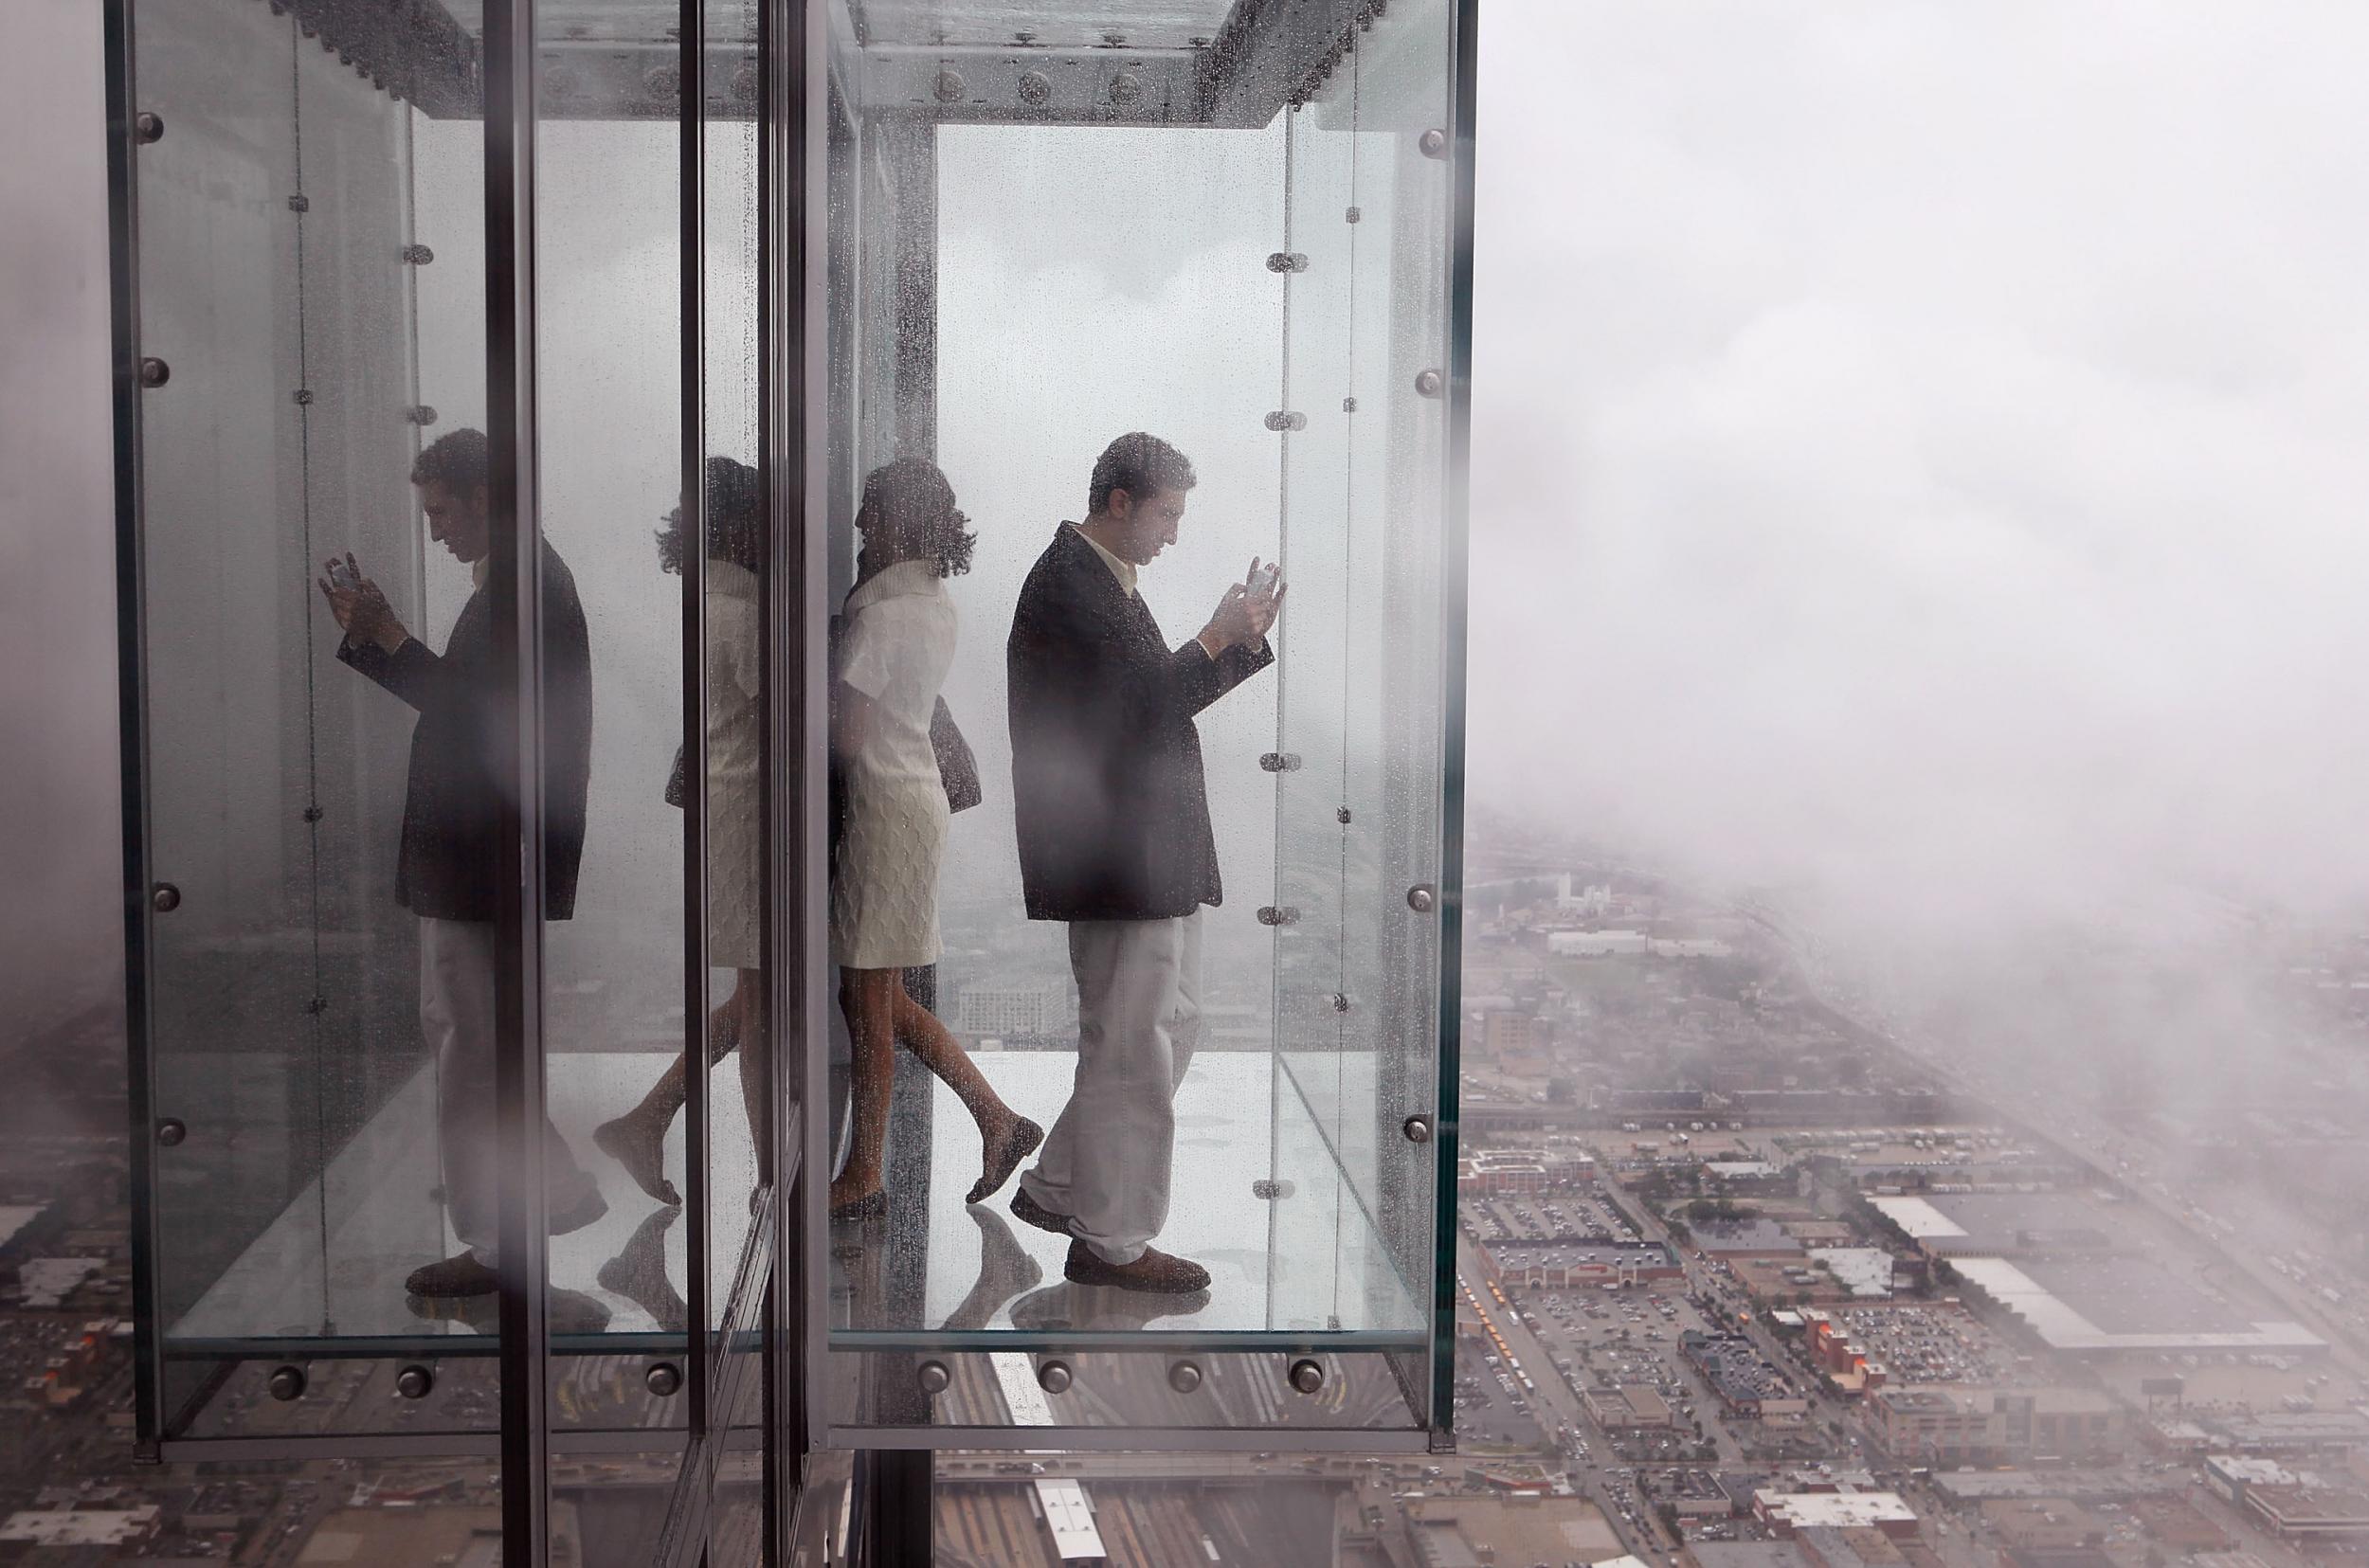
(1558,1217)
(1931,1345)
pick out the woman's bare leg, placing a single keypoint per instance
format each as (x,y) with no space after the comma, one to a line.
(637,1140)
(868,997)
(1005,1136)
(756,1069)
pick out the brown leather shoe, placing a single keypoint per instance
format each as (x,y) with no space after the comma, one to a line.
(1155,1271)
(458,1276)
(1029,1212)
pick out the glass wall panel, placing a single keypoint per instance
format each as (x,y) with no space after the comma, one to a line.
(312,282)
(1363,691)
(735,589)
(296,1181)
(1032,249)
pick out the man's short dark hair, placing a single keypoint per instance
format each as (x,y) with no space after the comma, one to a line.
(1138,465)
(460,461)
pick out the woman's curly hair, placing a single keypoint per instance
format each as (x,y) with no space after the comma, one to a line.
(736,513)
(914,488)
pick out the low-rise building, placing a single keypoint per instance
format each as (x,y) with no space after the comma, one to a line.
(1789,1513)
(1627,1409)
(2044,1524)
(1952,1425)
(1580,1265)
(2298,1511)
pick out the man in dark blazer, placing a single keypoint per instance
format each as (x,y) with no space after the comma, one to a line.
(1114,839)
(449,866)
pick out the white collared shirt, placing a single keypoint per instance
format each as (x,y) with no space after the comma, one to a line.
(1123,570)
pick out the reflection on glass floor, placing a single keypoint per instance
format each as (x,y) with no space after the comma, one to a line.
(332,1266)
(933,1273)
(1308,1262)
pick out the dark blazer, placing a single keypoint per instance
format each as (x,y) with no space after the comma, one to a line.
(449,867)
(1107,786)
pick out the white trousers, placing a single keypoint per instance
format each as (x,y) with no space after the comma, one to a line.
(457,1018)
(1106,1162)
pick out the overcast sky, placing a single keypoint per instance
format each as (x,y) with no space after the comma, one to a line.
(1919,448)
(1918,451)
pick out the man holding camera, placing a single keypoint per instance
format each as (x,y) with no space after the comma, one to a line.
(1114,839)
(450,864)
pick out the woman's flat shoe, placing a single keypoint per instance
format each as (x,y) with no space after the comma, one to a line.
(1005,1158)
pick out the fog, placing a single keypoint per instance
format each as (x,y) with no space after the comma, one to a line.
(1918,448)
(1915,465)
(60,930)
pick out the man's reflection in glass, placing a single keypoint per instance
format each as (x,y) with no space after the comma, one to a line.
(449,866)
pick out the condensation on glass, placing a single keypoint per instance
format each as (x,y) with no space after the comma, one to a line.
(1021,230)
(1233,231)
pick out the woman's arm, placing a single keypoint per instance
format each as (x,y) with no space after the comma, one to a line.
(853,716)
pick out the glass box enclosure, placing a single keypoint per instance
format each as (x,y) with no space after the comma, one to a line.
(1234,231)
(494,1056)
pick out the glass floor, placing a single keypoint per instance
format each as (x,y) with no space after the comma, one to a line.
(1305,1262)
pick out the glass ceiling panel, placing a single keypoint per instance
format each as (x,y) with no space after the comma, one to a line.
(1049,24)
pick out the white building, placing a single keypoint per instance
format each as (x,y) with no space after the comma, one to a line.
(1012,1010)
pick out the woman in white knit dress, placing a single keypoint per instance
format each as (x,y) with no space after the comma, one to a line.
(898,645)
(736,551)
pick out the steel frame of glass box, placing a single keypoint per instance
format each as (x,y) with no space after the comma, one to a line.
(811,64)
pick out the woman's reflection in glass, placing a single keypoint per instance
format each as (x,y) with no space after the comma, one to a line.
(736,550)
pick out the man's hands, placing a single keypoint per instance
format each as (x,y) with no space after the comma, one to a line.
(1246,612)
(361,610)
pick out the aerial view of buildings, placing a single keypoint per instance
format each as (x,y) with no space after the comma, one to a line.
(1743,1283)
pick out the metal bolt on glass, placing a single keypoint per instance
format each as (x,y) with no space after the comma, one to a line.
(148,127)
(286,1383)
(155,372)
(1184,1377)
(1286,419)
(1418,1129)
(1054,1376)
(415,1381)
(1036,89)
(172,1131)
(1434,142)
(422,414)
(932,1377)
(166,898)
(1280,761)
(1268,1189)
(1286,260)
(663,1378)
(299,203)
(1420,898)
(1306,1375)
(1126,90)
(419,256)
(1277,916)
(1429,383)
